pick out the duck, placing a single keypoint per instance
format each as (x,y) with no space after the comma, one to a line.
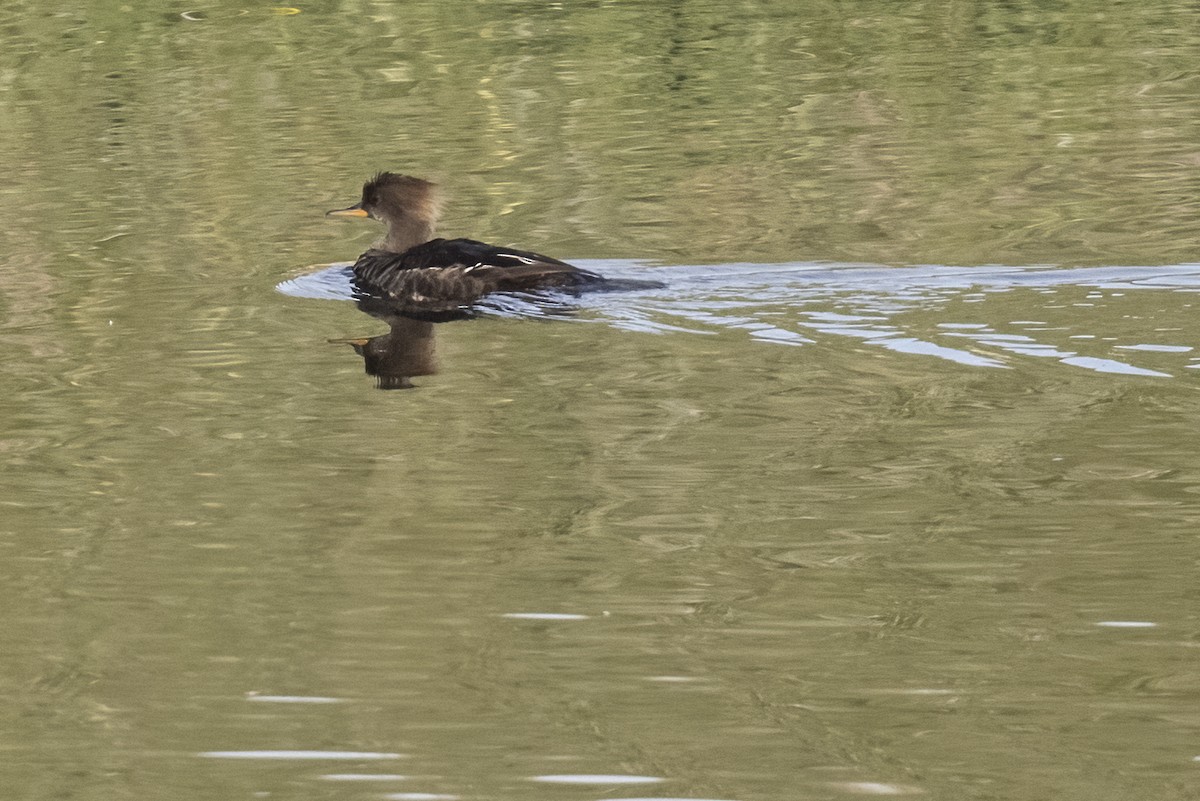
(436,279)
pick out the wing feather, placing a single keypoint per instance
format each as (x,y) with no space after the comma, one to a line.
(463,270)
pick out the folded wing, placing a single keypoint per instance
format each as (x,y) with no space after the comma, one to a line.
(462,271)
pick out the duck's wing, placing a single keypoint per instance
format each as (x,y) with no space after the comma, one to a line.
(465,269)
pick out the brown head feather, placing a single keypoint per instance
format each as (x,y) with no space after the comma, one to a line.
(410,207)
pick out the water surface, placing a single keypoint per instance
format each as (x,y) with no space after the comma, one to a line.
(892,490)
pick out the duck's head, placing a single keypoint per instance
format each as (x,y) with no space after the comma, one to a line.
(409,206)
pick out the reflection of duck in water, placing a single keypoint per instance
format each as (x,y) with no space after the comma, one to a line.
(406,350)
(439,279)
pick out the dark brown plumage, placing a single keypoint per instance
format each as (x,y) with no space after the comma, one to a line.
(440,278)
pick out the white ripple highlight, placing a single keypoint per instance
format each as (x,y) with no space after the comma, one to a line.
(300,755)
(292,699)
(595,778)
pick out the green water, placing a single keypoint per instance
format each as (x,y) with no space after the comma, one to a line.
(818,529)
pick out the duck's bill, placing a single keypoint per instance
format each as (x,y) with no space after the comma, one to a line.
(354,211)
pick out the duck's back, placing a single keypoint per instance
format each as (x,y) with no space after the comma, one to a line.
(463,270)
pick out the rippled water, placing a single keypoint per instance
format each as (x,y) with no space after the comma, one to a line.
(789,304)
(892,490)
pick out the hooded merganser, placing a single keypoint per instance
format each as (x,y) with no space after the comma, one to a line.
(438,279)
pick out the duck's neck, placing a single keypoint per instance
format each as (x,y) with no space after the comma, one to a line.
(405,233)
